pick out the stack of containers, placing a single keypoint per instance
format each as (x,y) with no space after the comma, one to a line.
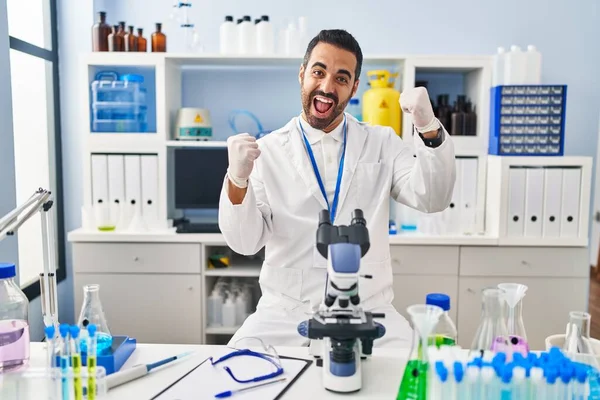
(118,103)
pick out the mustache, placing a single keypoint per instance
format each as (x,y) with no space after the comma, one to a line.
(328,95)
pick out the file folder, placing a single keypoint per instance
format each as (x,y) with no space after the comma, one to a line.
(534,202)
(516,202)
(569,213)
(133,184)
(452,213)
(116,179)
(552,201)
(468,196)
(149,168)
(99,179)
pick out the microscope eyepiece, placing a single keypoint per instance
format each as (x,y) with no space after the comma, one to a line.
(324,218)
(358,217)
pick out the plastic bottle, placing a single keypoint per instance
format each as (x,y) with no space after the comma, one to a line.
(515,67)
(355,109)
(240,309)
(302,34)
(265,38)
(445,332)
(229,313)
(215,308)
(246,36)
(14,325)
(228,36)
(534,66)
(142,46)
(130,40)
(100,32)
(291,40)
(499,65)
(159,40)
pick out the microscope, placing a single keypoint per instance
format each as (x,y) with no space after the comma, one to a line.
(341,331)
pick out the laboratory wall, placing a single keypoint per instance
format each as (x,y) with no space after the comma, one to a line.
(564,32)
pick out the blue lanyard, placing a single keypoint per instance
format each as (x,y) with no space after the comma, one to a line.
(333,208)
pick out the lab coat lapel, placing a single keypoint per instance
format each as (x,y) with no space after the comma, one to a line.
(296,152)
(354,147)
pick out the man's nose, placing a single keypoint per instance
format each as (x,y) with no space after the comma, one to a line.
(327,85)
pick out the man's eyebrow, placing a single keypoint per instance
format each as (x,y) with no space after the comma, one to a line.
(341,71)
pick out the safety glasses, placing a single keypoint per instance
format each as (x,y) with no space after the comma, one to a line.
(253,347)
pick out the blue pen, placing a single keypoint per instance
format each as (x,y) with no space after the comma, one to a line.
(229,393)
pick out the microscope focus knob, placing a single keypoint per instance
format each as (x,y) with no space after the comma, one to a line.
(303,328)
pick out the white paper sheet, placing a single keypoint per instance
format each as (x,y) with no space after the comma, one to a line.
(207,380)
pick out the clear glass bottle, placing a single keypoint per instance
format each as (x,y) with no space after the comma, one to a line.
(492,333)
(159,40)
(513,298)
(445,332)
(130,40)
(93,313)
(14,322)
(142,42)
(100,32)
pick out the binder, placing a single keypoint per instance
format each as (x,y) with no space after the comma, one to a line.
(99,179)
(569,212)
(116,179)
(468,196)
(133,184)
(516,202)
(452,213)
(534,202)
(149,169)
(552,202)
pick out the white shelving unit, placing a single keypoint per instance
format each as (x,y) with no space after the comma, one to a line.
(188,280)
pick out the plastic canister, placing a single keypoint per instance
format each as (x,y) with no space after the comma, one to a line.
(515,67)
(265,37)
(381,104)
(499,65)
(240,308)
(246,36)
(229,313)
(534,66)
(228,36)
(215,309)
(14,325)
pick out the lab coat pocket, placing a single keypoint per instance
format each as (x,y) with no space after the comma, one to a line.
(284,281)
(369,183)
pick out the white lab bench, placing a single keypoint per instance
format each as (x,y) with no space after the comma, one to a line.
(151,283)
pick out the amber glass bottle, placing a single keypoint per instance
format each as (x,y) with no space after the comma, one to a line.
(130,40)
(100,32)
(159,40)
(115,41)
(142,42)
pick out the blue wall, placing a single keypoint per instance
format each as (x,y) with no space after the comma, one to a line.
(565,33)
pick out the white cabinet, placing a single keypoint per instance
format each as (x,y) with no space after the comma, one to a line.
(152,308)
(424,260)
(412,289)
(546,305)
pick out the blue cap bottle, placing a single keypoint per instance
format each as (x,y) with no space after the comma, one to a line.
(445,332)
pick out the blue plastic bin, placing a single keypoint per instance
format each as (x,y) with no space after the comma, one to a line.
(527,120)
(118,103)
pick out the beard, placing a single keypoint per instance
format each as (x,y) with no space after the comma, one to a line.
(318,122)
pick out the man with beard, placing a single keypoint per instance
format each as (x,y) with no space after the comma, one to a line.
(325,159)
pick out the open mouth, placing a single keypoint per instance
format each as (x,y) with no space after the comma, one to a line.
(323,106)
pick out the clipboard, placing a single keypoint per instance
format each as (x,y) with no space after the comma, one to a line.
(164,394)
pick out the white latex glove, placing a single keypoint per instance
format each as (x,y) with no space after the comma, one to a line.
(242,150)
(416,102)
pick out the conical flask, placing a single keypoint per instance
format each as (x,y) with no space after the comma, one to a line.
(414,381)
(92,313)
(513,298)
(492,333)
(577,339)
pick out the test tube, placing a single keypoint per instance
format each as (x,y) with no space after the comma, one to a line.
(64,360)
(76,362)
(91,361)
(50,349)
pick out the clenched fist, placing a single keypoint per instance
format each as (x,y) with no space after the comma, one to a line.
(416,102)
(242,150)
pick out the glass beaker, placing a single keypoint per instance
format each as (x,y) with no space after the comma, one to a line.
(414,381)
(577,339)
(492,333)
(92,313)
(513,297)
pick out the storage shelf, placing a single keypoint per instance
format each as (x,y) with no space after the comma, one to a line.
(221,330)
(196,143)
(124,142)
(235,271)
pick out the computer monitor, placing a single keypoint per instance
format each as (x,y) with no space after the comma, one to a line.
(199,174)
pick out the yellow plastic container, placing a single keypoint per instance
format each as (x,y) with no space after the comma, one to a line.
(381,104)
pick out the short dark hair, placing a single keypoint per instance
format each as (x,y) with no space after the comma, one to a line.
(338,38)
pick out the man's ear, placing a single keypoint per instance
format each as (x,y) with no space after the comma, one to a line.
(301,74)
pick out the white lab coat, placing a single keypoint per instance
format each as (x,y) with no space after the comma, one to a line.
(281,210)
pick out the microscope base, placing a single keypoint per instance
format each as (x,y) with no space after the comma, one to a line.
(346,378)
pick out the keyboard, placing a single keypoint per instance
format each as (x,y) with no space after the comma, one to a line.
(198,227)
